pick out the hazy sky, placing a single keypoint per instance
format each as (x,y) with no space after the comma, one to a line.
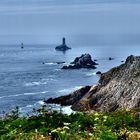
(81,21)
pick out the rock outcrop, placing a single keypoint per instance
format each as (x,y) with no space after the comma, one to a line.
(63,46)
(71,98)
(84,61)
(117,89)
(98,72)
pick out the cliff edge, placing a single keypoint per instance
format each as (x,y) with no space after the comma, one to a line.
(117,89)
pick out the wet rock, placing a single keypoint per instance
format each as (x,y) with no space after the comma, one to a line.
(71,98)
(117,89)
(60,62)
(84,61)
(110,58)
(98,72)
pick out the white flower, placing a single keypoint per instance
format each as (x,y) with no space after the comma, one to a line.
(94,127)
(66,127)
(96,119)
(105,117)
(53,131)
(90,134)
(66,124)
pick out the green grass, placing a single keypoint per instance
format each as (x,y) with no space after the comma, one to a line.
(49,125)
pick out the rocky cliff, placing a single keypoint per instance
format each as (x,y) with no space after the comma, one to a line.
(117,89)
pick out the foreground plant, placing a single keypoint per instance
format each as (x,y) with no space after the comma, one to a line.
(47,125)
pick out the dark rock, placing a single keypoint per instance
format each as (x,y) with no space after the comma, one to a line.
(71,98)
(98,72)
(63,46)
(110,58)
(60,62)
(22,46)
(84,61)
(117,89)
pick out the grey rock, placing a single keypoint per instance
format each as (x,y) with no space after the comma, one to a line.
(110,58)
(98,72)
(71,98)
(84,61)
(117,89)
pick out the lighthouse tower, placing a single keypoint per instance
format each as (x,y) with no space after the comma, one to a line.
(63,46)
(64,41)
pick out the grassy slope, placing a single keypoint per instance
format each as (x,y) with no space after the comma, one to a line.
(53,125)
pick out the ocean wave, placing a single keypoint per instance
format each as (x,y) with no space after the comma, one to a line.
(91,74)
(35,93)
(68,90)
(8,96)
(51,63)
(41,82)
(28,109)
(59,108)
(67,110)
(36,83)
(41,102)
(24,94)
(57,69)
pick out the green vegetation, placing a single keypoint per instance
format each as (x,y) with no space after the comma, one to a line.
(51,125)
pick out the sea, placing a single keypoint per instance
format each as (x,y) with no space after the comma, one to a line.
(29,76)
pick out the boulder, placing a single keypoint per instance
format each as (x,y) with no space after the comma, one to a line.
(110,58)
(98,72)
(84,61)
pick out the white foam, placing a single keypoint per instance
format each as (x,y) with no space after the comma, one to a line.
(24,94)
(36,83)
(8,96)
(67,110)
(35,93)
(68,90)
(41,102)
(51,63)
(91,74)
(59,108)
(29,106)
(57,69)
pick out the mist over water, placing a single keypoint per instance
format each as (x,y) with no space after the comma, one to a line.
(86,22)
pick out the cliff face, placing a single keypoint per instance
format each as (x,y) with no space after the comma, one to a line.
(117,89)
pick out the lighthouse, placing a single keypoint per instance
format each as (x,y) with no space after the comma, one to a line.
(63,46)
(64,41)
